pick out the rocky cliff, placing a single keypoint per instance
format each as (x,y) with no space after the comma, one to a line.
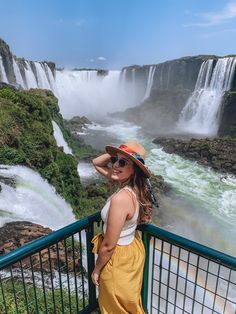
(23,69)
(26,138)
(171,84)
(228,115)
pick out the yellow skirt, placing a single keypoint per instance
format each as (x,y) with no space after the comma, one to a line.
(121,278)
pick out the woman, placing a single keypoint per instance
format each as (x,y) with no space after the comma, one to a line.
(119,267)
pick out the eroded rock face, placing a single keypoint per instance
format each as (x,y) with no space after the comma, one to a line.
(15,234)
(76,124)
(7,61)
(219,153)
(228,115)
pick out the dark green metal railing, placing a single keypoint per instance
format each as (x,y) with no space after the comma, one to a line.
(182,276)
(52,274)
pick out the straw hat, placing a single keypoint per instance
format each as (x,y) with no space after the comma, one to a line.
(134,151)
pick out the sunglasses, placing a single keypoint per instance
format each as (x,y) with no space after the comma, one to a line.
(122,162)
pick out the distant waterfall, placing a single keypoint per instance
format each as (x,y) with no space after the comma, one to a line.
(60,139)
(3,76)
(133,84)
(89,93)
(29,74)
(201,112)
(151,73)
(31,81)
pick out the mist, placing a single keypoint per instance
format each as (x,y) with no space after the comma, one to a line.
(92,94)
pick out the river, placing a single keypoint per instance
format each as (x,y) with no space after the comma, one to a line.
(201,204)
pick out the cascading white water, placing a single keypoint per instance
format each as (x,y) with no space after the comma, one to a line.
(208,196)
(3,76)
(50,77)
(201,112)
(32,199)
(88,93)
(151,73)
(133,84)
(30,77)
(19,78)
(42,76)
(60,139)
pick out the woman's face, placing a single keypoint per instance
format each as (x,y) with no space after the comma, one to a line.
(120,173)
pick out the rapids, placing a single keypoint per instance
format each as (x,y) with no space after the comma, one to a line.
(202,203)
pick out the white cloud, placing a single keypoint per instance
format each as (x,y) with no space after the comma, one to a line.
(101,58)
(216,18)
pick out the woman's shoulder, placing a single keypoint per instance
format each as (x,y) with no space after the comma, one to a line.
(124,195)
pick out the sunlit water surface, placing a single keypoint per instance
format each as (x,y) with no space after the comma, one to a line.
(201,204)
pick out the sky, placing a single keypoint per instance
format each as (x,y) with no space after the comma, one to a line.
(111,34)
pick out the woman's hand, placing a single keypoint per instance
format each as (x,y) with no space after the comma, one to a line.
(95,276)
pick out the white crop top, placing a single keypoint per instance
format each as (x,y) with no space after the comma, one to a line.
(128,231)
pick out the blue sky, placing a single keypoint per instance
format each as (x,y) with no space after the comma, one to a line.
(115,33)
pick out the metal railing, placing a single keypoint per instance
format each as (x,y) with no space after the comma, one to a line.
(52,274)
(182,276)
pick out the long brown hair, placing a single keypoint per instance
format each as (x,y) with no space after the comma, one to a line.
(138,183)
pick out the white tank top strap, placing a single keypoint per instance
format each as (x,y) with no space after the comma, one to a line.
(128,230)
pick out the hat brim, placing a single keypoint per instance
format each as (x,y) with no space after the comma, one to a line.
(112,149)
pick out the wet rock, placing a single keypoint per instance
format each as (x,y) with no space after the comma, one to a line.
(218,153)
(8,181)
(15,234)
(76,124)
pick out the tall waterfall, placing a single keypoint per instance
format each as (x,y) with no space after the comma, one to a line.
(202,110)
(19,78)
(60,139)
(3,76)
(151,73)
(92,93)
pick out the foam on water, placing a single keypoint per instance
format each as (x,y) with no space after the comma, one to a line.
(33,199)
(200,194)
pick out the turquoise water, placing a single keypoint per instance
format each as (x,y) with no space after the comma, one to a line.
(202,203)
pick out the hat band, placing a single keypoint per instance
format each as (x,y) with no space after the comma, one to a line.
(131,152)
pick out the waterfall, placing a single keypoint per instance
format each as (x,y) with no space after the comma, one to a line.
(3,76)
(19,78)
(202,110)
(133,84)
(60,139)
(88,93)
(32,199)
(30,76)
(42,78)
(151,73)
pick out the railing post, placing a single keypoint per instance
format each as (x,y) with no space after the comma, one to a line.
(146,242)
(91,264)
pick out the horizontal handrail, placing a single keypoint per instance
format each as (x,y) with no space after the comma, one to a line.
(190,245)
(45,241)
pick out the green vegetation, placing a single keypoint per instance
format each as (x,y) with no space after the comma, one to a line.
(31,304)
(93,198)
(26,138)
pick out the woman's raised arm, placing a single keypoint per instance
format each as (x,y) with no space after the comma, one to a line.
(101,165)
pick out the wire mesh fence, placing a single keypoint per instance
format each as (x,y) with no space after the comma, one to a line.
(186,277)
(50,274)
(53,274)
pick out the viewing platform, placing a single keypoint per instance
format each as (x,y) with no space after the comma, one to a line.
(53,274)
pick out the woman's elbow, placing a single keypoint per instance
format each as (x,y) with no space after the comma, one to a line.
(108,248)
